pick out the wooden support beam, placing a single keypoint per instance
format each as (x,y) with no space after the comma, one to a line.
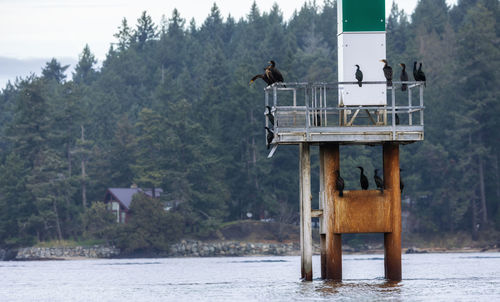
(333,243)
(301,224)
(316,213)
(362,211)
(305,170)
(392,240)
(322,220)
(322,245)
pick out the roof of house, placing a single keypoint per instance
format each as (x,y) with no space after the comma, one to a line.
(124,195)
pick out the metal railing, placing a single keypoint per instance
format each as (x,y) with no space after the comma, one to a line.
(315,107)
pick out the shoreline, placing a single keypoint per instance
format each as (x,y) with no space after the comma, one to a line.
(198,249)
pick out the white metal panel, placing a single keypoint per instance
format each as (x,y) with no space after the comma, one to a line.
(366,50)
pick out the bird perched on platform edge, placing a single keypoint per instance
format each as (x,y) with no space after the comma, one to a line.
(270,115)
(339,183)
(421,75)
(403,77)
(387,72)
(263,76)
(359,75)
(363,180)
(270,137)
(276,75)
(378,181)
(415,76)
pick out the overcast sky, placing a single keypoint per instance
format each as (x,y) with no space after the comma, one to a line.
(42,29)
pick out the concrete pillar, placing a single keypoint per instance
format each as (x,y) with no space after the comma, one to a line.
(333,242)
(392,240)
(305,198)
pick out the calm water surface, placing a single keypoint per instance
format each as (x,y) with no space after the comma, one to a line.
(427,277)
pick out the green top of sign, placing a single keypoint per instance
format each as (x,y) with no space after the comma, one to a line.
(363,15)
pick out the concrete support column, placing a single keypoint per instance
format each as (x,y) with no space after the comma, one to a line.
(392,240)
(305,218)
(333,242)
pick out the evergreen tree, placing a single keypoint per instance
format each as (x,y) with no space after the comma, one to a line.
(84,71)
(54,71)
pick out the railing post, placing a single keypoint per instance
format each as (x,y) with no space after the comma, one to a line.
(324,100)
(410,112)
(393,98)
(421,104)
(294,97)
(267,104)
(306,93)
(275,96)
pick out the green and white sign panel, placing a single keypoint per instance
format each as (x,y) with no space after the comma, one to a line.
(361,41)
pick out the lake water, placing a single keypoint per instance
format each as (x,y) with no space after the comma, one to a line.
(426,277)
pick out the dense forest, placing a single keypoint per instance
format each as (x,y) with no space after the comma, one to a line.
(172,108)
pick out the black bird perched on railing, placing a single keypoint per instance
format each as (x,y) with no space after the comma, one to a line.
(270,115)
(339,184)
(387,72)
(379,182)
(421,75)
(270,137)
(415,76)
(401,183)
(276,75)
(363,180)
(263,76)
(359,75)
(403,77)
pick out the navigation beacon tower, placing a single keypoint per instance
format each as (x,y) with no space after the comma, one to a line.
(342,113)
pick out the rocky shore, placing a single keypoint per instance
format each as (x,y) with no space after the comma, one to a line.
(185,248)
(192,248)
(231,248)
(53,253)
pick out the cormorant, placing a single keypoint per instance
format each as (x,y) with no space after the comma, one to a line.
(363,179)
(276,75)
(421,75)
(339,183)
(387,72)
(359,75)
(270,137)
(401,183)
(379,182)
(263,76)
(403,77)
(415,76)
(270,115)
